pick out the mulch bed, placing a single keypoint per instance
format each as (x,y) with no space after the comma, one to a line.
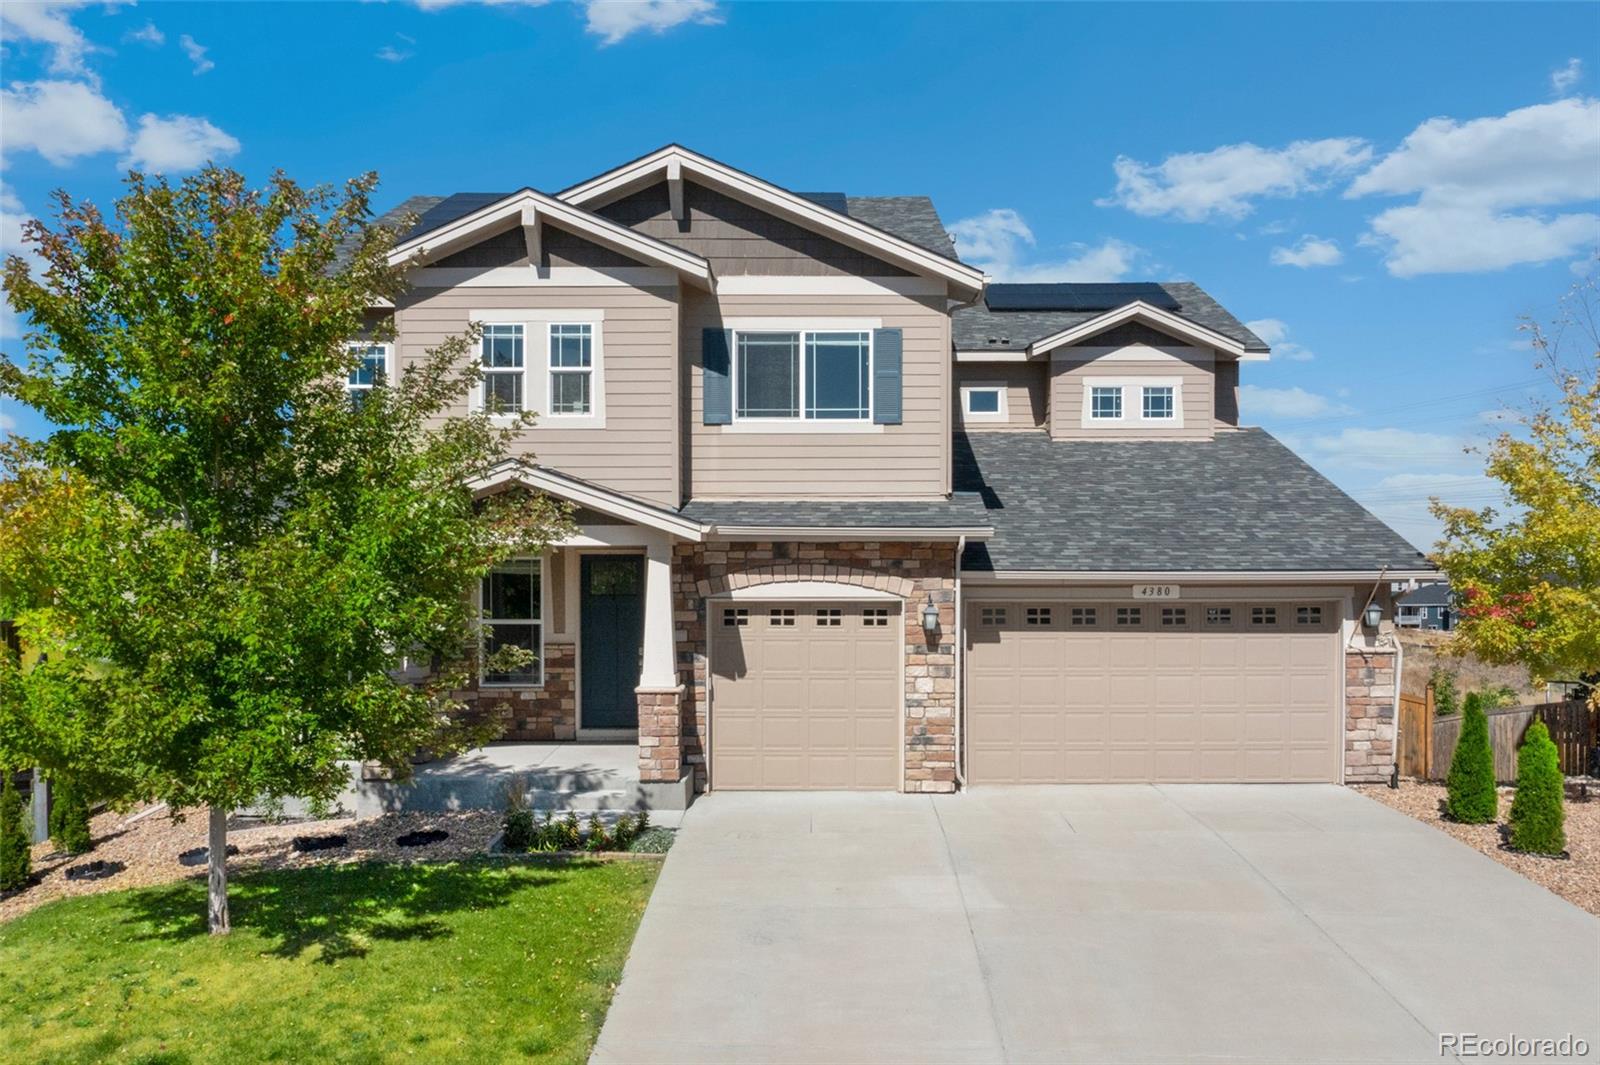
(1575,877)
(151,848)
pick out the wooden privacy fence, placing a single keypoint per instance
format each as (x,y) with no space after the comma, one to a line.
(1428,742)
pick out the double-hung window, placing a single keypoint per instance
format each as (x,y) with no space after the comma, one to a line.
(1105,402)
(370,371)
(803,375)
(571,369)
(502,354)
(510,616)
(1158,403)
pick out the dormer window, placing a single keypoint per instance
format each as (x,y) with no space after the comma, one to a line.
(1158,403)
(1105,402)
(1132,403)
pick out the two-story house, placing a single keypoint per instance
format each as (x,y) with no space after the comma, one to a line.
(852,517)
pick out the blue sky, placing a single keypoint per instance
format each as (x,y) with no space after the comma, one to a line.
(1384,189)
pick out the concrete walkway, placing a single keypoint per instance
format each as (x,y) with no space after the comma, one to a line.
(1094,924)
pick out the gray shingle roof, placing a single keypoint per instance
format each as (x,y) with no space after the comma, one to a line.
(1240,502)
(974,327)
(961,511)
(1427,595)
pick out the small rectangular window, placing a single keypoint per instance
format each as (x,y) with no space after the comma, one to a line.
(1037,615)
(571,369)
(1219,615)
(501,356)
(992,615)
(1308,615)
(1263,615)
(983,401)
(830,617)
(371,370)
(1174,616)
(780,616)
(875,617)
(735,616)
(1105,402)
(1130,615)
(1083,616)
(1158,402)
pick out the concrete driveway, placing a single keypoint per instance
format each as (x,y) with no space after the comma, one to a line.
(1101,924)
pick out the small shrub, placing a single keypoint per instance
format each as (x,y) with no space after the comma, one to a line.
(1470,794)
(566,834)
(69,816)
(519,830)
(16,853)
(1497,698)
(624,832)
(1446,697)
(599,839)
(1537,814)
(652,841)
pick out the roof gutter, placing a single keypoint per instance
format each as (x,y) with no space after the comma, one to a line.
(1199,576)
(847,532)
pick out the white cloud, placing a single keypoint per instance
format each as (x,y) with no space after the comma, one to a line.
(8,424)
(149,34)
(1402,500)
(1476,185)
(390,54)
(196,53)
(1386,449)
(439,5)
(1564,78)
(1225,182)
(612,20)
(999,241)
(1258,402)
(61,120)
(12,216)
(175,143)
(1308,251)
(49,24)
(1276,334)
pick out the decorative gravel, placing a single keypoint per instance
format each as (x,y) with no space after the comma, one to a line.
(1575,878)
(148,845)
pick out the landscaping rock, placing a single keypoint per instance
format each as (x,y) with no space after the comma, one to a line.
(97,870)
(201,855)
(422,837)
(307,844)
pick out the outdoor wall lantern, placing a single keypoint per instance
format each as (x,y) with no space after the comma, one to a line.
(930,619)
(1374,615)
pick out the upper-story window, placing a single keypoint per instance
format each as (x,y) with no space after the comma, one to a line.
(1158,402)
(805,375)
(1105,402)
(502,367)
(983,403)
(371,370)
(571,369)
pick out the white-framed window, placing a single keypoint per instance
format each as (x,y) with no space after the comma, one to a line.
(1308,615)
(1158,403)
(510,612)
(501,354)
(984,402)
(1083,617)
(1174,616)
(1263,615)
(1130,615)
(1133,403)
(829,617)
(875,617)
(1105,403)
(781,616)
(821,375)
(992,615)
(1219,615)
(571,368)
(732,616)
(370,371)
(1036,615)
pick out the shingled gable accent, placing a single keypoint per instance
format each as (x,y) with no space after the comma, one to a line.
(674,164)
(529,208)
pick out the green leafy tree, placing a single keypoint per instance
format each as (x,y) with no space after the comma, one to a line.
(69,816)
(1470,793)
(1537,810)
(16,852)
(1527,581)
(223,561)
(1446,696)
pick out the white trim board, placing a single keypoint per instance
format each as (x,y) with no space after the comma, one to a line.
(549,277)
(1194,576)
(829,285)
(513,471)
(779,591)
(1165,321)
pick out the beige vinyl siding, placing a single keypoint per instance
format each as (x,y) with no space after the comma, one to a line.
(740,239)
(636,452)
(906,461)
(1027,386)
(1198,395)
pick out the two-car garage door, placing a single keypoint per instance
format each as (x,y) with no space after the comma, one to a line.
(1061,692)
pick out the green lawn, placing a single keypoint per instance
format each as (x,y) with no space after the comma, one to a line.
(478,961)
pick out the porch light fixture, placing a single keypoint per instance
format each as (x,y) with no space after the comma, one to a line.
(1374,615)
(930,619)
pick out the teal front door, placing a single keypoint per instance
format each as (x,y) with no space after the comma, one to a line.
(611,648)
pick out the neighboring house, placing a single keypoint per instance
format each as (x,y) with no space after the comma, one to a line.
(852,517)
(1430,606)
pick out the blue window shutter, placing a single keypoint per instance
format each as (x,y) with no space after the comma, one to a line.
(886,347)
(717,390)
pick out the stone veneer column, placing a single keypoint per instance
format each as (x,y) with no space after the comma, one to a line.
(1370,687)
(660,735)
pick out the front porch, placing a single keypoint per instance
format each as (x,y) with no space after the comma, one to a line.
(584,777)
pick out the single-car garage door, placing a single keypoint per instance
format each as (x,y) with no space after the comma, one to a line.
(805,695)
(1062,692)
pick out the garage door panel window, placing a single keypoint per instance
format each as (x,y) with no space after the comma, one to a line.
(875,617)
(1130,616)
(1174,617)
(1218,617)
(991,616)
(1083,617)
(830,617)
(781,617)
(732,616)
(1037,616)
